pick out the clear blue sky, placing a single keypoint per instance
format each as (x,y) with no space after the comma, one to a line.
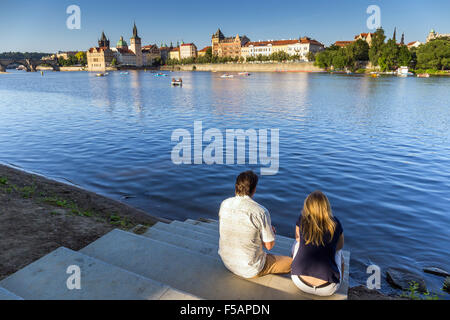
(40,25)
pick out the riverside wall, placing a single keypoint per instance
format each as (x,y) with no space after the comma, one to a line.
(247,67)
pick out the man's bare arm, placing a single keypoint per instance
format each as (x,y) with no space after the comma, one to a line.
(269,245)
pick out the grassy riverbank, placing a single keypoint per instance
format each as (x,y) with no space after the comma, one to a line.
(38,215)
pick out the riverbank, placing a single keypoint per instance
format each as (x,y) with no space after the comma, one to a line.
(246,67)
(38,215)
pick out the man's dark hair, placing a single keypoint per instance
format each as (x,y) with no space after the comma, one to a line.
(246,183)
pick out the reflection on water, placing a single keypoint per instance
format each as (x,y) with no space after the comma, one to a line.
(379,148)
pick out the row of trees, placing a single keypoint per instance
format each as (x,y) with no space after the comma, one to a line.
(279,56)
(79,59)
(388,55)
(23,55)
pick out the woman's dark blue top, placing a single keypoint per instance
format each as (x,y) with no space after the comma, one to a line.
(318,261)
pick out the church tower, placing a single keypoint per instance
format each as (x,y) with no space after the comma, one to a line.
(103,42)
(136,47)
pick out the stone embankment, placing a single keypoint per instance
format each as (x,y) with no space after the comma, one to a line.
(247,67)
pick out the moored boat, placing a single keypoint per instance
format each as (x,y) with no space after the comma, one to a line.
(423,75)
(244,74)
(226,75)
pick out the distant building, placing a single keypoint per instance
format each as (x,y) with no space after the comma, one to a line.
(135,55)
(227,47)
(101,57)
(165,52)
(150,54)
(65,54)
(300,47)
(188,50)
(366,37)
(413,44)
(136,47)
(202,52)
(174,54)
(434,35)
(304,46)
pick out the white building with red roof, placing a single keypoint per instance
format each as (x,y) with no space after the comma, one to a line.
(188,50)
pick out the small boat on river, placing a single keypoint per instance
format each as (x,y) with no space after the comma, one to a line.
(177,82)
(423,75)
(244,74)
(160,75)
(226,75)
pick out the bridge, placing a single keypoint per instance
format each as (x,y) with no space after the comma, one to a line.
(29,64)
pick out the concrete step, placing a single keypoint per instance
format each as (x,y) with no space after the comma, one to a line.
(190,232)
(183,240)
(46,279)
(7,295)
(199,274)
(281,245)
(215,226)
(188,239)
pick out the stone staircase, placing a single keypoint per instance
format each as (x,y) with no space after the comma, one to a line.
(176,261)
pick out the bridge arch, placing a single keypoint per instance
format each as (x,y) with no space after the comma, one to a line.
(29,64)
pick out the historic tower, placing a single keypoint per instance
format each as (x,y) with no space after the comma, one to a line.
(103,42)
(136,47)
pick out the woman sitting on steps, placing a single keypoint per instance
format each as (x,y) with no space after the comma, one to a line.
(318,265)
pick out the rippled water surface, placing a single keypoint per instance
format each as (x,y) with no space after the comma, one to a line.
(379,148)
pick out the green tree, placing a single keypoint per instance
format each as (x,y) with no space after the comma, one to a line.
(376,46)
(388,58)
(404,56)
(114,62)
(434,55)
(82,58)
(311,56)
(359,50)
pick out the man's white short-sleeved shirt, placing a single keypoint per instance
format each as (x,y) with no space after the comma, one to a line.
(244,225)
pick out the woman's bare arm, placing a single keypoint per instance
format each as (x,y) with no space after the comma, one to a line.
(340,244)
(297,234)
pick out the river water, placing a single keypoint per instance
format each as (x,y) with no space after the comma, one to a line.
(379,148)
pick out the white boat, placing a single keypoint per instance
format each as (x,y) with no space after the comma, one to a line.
(244,74)
(403,72)
(177,82)
(423,75)
(227,76)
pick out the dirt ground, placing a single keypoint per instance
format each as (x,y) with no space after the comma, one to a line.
(38,215)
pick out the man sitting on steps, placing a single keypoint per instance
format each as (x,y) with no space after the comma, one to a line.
(245,228)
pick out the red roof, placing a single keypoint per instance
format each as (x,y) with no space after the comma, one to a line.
(98,49)
(187,44)
(364,35)
(411,43)
(205,49)
(283,42)
(342,43)
(125,51)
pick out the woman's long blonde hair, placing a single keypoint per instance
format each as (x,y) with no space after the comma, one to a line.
(317,219)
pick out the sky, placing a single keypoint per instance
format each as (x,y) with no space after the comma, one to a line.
(40,25)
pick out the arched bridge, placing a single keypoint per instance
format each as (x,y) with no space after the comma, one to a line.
(30,64)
